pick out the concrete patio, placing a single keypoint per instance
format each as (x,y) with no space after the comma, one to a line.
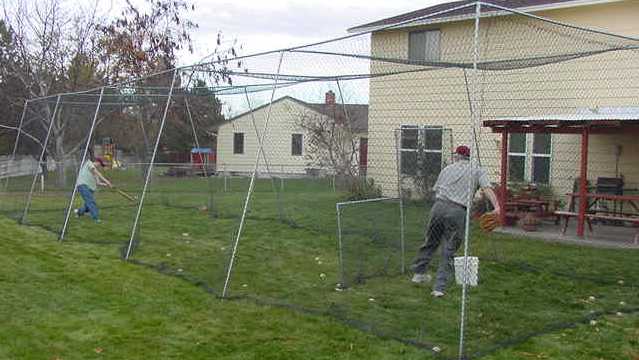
(605,236)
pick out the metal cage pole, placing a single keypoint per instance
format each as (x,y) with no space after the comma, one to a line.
(348,120)
(44,150)
(339,246)
(349,128)
(15,144)
(149,169)
(400,195)
(473,110)
(474,154)
(205,159)
(84,156)
(251,184)
(260,149)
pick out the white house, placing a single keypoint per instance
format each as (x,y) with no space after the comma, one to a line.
(301,139)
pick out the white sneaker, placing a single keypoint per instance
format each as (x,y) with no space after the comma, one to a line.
(421,278)
(437,293)
(76,212)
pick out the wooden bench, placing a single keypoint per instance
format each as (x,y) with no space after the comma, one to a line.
(566,215)
(634,220)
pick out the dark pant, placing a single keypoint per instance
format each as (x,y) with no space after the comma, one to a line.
(447,225)
(90,205)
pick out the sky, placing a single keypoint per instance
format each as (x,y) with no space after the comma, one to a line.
(262,25)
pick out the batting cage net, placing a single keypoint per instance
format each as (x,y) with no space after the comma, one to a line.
(340,178)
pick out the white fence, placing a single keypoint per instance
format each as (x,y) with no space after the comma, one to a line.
(22,165)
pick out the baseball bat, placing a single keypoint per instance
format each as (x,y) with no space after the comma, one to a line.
(124,194)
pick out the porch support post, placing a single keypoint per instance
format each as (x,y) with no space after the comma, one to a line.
(583,182)
(503,190)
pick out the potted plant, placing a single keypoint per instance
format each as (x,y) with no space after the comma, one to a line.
(529,222)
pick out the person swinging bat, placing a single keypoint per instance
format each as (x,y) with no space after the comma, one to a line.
(88,180)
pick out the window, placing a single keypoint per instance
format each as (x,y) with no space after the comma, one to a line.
(541,158)
(238,143)
(296,144)
(408,149)
(424,45)
(529,163)
(517,157)
(421,150)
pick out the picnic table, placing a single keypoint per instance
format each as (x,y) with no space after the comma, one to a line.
(616,214)
(618,200)
(537,206)
(519,207)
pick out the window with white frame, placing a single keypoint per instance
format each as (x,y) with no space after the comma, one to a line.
(517,157)
(420,150)
(541,156)
(529,158)
(424,45)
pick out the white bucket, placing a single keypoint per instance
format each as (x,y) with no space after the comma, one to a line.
(470,278)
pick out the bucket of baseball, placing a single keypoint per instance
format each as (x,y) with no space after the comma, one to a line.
(470,276)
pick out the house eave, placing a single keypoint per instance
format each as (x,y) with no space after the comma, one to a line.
(450,19)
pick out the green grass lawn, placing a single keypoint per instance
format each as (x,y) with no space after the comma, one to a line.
(535,299)
(79,301)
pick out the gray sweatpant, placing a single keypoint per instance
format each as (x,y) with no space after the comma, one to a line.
(447,224)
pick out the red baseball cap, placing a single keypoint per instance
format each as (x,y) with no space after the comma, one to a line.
(463,150)
(100,161)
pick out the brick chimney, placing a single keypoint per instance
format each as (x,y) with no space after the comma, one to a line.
(330,97)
